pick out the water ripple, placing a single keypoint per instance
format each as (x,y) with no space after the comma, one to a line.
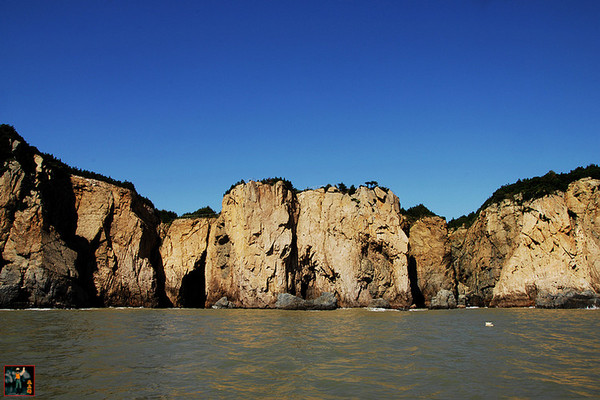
(157,354)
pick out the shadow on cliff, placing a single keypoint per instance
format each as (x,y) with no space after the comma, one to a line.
(59,211)
(415,291)
(192,293)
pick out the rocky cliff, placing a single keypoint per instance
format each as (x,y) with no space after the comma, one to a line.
(183,251)
(74,239)
(353,246)
(68,241)
(433,277)
(542,252)
(251,249)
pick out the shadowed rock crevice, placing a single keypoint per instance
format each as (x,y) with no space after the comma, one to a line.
(417,295)
(292,265)
(192,293)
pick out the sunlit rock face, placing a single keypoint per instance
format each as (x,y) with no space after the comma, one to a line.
(72,241)
(68,241)
(251,246)
(38,266)
(183,251)
(543,252)
(268,241)
(121,240)
(352,246)
(430,261)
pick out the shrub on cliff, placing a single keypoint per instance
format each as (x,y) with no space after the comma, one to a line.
(466,220)
(24,153)
(240,182)
(268,181)
(286,183)
(541,186)
(345,189)
(417,212)
(204,212)
(166,217)
(530,189)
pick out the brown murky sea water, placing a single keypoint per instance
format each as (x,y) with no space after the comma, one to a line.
(271,354)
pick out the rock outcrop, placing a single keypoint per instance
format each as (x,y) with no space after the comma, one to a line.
(352,246)
(70,238)
(38,265)
(286,301)
(430,262)
(118,231)
(183,252)
(542,251)
(251,248)
(68,241)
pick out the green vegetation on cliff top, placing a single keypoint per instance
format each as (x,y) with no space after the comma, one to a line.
(417,212)
(527,189)
(204,212)
(530,189)
(8,134)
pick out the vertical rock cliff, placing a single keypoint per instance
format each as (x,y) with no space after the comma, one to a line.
(251,248)
(542,252)
(38,266)
(433,280)
(183,252)
(119,243)
(68,241)
(352,246)
(71,238)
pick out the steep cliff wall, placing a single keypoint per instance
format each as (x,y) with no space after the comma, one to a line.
(430,262)
(352,246)
(73,241)
(68,241)
(183,252)
(251,248)
(542,252)
(120,243)
(38,264)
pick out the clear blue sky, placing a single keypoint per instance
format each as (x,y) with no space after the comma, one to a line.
(441,101)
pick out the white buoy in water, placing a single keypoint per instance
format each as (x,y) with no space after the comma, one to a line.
(488,323)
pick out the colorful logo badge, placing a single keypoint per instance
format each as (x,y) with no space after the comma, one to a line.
(19,380)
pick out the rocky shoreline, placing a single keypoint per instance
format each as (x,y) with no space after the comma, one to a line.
(72,241)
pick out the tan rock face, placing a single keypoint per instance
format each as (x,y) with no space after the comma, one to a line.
(37,268)
(183,252)
(520,255)
(430,259)
(486,245)
(250,246)
(70,241)
(352,246)
(120,231)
